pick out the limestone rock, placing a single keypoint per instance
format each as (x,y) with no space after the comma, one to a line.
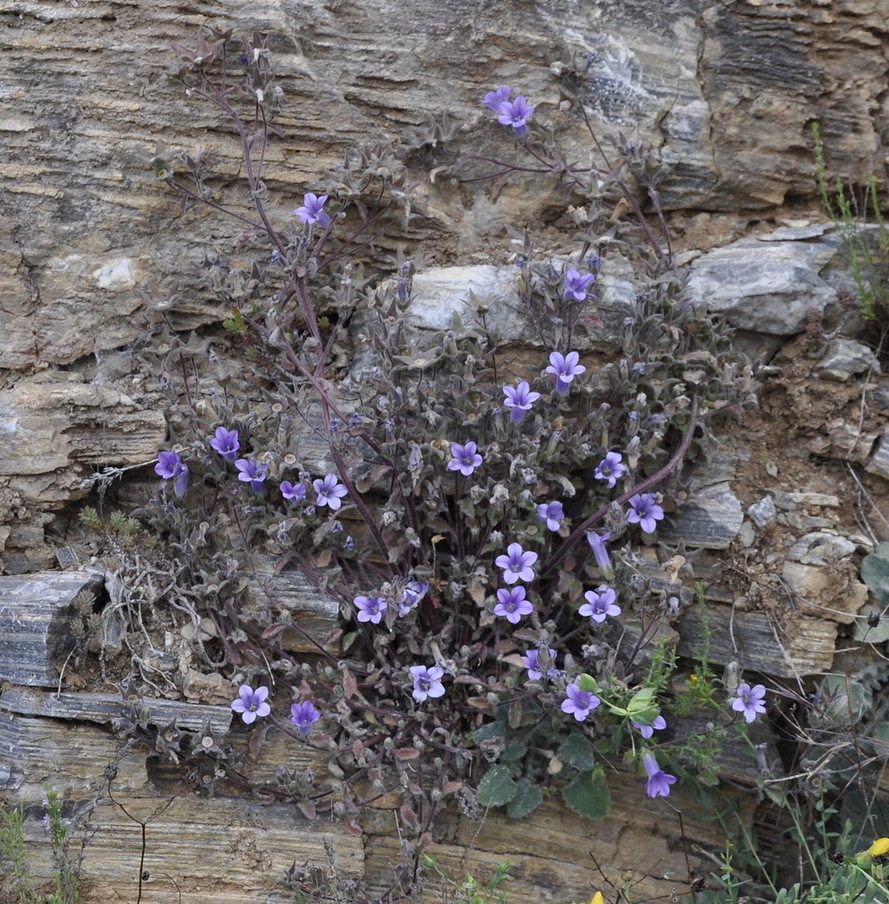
(845,358)
(765,286)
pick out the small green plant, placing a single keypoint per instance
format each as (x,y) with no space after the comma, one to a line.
(868,256)
(470,890)
(14,850)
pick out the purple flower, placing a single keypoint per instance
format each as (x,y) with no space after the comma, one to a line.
(512,604)
(750,701)
(515,113)
(644,511)
(252,472)
(171,467)
(516,564)
(580,703)
(519,399)
(427,682)
(370,608)
(552,513)
(600,551)
(464,459)
(304,716)
(532,663)
(312,210)
(251,703)
(576,286)
(226,443)
(659,723)
(610,468)
(600,604)
(498,100)
(413,593)
(658,784)
(295,492)
(329,491)
(565,368)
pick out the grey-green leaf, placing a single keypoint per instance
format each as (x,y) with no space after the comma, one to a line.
(497,787)
(588,795)
(527,799)
(577,752)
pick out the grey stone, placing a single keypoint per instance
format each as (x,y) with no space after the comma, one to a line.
(879,462)
(820,548)
(710,519)
(845,358)
(763,512)
(765,286)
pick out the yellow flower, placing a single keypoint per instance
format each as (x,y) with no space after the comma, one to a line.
(599,898)
(879,847)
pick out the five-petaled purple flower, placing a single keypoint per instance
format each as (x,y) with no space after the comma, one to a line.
(171,467)
(312,210)
(512,604)
(644,511)
(600,604)
(304,716)
(577,285)
(750,701)
(659,723)
(413,593)
(516,564)
(251,703)
(497,100)
(610,468)
(295,492)
(464,459)
(580,703)
(226,443)
(519,399)
(552,513)
(370,608)
(427,682)
(658,784)
(252,472)
(329,491)
(531,661)
(565,368)
(600,551)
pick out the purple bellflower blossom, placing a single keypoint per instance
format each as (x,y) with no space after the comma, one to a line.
(171,467)
(610,468)
(658,784)
(226,443)
(312,210)
(251,703)
(512,604)
(531,661)
(413,593)
(516,113)
(517,564)
(253,472)
(565,368)
(304,716)
(659,723)
(427,682)
(497,100)
(579,703)
(329,491)
(600,551)
(552,513)
(370,608)
(465,458)
(519,399)
(295,492)
(577,285)
(644,511)
(600,604)
(750,701)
